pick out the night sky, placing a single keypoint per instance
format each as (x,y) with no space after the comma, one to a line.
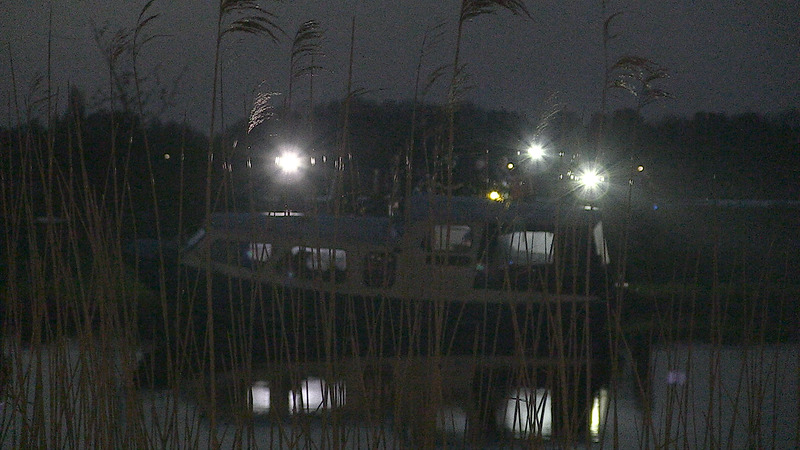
(726,56)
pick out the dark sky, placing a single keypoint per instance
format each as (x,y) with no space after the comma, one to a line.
(726,56)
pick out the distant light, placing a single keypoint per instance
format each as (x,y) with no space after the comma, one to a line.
(536,152)
(639,168)
(510,166)
(289,162)
(495,196)
(590,178)
(166,156)
(591,182)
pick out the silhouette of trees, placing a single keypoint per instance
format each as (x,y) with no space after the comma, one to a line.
(707,156)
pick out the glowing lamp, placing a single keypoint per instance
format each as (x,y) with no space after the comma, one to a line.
(590,178)
(536,152)
(289,162)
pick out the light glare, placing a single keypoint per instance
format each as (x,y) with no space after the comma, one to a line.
(536,152)
(599,412)
(288,162)
(590,182)
(590,178)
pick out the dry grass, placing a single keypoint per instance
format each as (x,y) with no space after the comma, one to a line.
(94,358)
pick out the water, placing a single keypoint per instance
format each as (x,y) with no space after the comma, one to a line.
(700,396)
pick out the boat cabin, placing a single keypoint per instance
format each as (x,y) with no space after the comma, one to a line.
(446,248)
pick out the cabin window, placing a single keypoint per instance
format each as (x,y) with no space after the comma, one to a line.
(454,238)
(310,262)
(254,255)
(526,247)
(450,244)
(257,252)
(260,397)
(379,269)
(238,253)
(315,395)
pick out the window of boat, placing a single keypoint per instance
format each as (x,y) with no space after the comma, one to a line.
(526,247)
(257,252)
(313,262)
(240,253)
(450,244)
(379,269)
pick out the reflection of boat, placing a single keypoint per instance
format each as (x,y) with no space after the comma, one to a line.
(496,291)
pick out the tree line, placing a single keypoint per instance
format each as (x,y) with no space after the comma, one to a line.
(133,165)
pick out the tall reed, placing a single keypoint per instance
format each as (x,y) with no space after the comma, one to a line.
(106,344)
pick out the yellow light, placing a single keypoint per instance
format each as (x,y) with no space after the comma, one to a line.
(639,168)
(510,166)
(599,414)
(494,195)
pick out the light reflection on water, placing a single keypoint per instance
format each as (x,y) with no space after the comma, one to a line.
(702,396)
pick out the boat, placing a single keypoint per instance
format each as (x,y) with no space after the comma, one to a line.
(481,251)
(471,287)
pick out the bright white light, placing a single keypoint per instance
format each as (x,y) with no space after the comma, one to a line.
(536,152)
(289,162)
(259,394)
(527,412)
(591,182)
(590,178)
